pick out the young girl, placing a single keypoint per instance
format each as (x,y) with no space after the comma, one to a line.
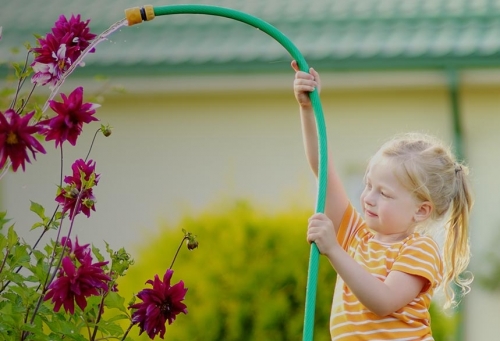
(388,268)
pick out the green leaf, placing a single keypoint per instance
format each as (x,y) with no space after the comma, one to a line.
(36,225)
(114,301)
(3,221)
(38,112)
(39,271)
(38,209)
(97,253)
(18,69)
(110,328)
(119,317)
(12,237)
(3,242)
(19,256)
(15,278)
(63,327)
(121,261)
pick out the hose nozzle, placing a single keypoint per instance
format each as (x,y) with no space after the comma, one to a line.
(136,15)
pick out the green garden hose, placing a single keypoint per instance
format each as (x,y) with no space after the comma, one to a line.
(139,14)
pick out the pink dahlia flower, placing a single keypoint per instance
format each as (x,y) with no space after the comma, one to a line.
(75,284)
(52,62)
(16,138)
(76,189)
(75,33)
(75,250)
(160,304)
(59,49)
(72,113)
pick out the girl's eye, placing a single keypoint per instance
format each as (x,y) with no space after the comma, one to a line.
(384,194)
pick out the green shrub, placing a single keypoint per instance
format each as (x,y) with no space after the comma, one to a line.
(247,279)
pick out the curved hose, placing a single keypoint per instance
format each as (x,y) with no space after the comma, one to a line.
(146,13)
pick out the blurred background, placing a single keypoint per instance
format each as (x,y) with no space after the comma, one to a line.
(206,136)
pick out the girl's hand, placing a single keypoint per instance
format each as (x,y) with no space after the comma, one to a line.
(304,83)
(321,231)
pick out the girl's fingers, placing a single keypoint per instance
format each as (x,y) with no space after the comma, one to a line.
(304,75)
(304,85)
(314,73)
(318,216)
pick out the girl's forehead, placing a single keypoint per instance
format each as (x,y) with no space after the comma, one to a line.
(381,160)
(384,166)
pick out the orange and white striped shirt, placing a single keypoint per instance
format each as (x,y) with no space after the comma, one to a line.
(416,255)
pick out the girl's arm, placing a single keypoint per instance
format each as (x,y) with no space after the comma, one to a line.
(336,197)
(381,298)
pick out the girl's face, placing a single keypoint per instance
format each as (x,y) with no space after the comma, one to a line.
(390,209)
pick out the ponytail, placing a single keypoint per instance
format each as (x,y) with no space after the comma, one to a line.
(456,245)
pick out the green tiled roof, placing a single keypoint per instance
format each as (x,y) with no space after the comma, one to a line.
(336,34)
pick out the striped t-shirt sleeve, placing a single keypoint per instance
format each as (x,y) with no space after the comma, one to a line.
(420,257)
(349,226)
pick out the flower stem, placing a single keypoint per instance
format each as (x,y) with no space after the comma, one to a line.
(127,331)
(61,169)
(101,306)
(177,252)
(20,110)
(20,82)
(72,221)
(92,144)
(45,229)
(1,269)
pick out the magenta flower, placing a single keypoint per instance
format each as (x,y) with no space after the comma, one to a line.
(51,63)
(16,137)
(59,49)
(71,115)
(76,284)
(75,34)
(159,304)
(80,252)
(77,196)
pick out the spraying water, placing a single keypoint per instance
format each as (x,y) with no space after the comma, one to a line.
(101,37)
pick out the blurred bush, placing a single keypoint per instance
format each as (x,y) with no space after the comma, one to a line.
(247,279)
(444,324)
(489,277)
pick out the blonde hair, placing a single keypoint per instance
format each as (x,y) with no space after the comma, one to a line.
(431,172)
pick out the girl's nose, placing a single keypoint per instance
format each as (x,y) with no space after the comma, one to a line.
(369,198)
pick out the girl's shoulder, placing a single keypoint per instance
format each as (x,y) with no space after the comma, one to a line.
(417,241)
(417,237)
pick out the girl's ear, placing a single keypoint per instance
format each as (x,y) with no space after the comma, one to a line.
(423,212)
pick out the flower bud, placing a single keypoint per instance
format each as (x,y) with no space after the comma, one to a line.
(192,243)
(106,130)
